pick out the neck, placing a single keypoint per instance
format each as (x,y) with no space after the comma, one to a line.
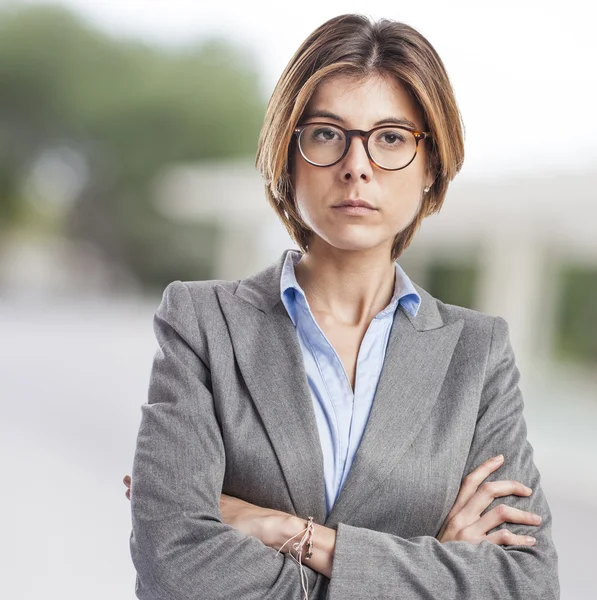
(352,286)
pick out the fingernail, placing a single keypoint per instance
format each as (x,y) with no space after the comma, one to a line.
(531,540)
(498,458)
(528,489)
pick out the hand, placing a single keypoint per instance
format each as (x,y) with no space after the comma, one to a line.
(464,522)
(249,518)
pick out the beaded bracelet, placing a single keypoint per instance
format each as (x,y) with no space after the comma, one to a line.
(306,541)
(310,533)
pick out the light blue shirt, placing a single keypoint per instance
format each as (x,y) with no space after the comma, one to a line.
(341,414)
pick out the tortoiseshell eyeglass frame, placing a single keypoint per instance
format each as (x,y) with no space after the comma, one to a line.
(364,135)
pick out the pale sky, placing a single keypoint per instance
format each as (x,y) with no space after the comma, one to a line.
(524,72)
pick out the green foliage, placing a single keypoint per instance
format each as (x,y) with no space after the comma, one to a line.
(453,283)
(130,110)
(576,323)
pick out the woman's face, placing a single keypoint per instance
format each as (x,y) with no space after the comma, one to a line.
(395,195)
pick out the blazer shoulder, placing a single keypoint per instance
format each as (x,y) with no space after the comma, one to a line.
(191,310)
(202,286)
(475,321)
(193,299)
(200,292)
(472,318)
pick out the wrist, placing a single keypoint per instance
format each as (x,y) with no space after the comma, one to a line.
(278,529)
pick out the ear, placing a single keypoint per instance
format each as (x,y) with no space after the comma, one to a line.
(429,179)
(429,182)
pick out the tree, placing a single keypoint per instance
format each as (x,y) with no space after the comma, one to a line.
(129,110)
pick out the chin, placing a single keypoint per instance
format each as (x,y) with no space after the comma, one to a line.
(353,243)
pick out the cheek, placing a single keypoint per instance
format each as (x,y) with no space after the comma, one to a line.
(311,189)
(403,200)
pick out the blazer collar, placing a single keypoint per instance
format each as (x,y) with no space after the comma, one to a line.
(270,360)
(262,290)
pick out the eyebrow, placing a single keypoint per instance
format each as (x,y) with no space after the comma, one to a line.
(325,114)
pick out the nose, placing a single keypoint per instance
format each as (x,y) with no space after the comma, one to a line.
(356,163)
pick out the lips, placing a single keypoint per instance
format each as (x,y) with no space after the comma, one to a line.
(356,202)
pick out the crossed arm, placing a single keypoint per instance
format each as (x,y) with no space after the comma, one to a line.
(190,542)
(274,528)
(464,523)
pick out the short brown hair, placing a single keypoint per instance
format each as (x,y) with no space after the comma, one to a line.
(353,45)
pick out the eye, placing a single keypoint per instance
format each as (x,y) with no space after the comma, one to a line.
(325,134)
(390,137)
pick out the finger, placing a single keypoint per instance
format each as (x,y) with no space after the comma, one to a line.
(488,491)
(503,514)
(472,481)
(128,494)
(503,537)
(127,480)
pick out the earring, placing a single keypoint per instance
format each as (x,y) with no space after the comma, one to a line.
(427,189)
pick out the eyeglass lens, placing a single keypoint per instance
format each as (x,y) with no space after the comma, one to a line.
(390,147)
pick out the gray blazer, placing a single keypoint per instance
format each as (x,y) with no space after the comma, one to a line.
(229,410)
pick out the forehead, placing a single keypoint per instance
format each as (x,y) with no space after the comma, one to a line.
(363,101)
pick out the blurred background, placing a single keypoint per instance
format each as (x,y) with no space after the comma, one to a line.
(128,133)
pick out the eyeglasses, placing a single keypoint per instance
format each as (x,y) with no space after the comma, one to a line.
(392,148)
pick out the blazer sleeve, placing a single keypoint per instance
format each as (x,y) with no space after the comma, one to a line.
(180,547)
(373,564)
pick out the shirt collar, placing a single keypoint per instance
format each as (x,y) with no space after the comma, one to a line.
(404,290)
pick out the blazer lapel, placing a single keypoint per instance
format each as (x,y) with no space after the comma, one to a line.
(419,351)
(271,362)
(269,356)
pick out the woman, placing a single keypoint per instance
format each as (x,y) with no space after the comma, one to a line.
(331,386)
